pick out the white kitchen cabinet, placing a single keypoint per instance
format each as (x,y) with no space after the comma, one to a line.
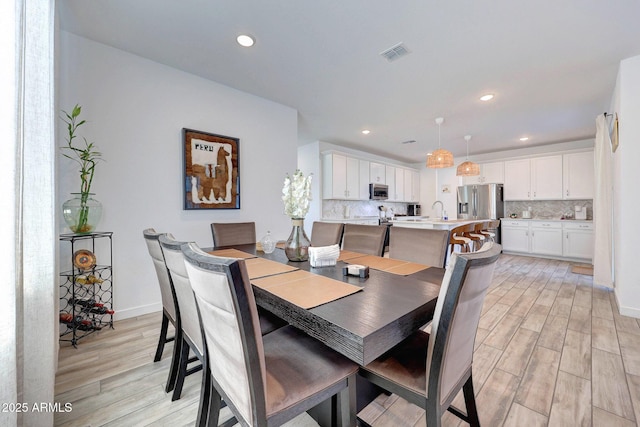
(399,189)
(390,180)
(578,176)
(517,180)
(539,178)
(411,186)
(377,173)
(340,177)
(515,236)
(546,178)
(364,180)
(578,240)
(546,238)
(490,173)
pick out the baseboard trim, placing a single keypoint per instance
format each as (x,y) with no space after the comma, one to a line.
(626,311)
(137,311)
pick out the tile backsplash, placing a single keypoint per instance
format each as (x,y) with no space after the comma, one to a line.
(339,209)
(548,209)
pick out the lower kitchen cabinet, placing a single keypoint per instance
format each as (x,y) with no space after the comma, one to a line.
(578,240)
(546,238)
(553,239)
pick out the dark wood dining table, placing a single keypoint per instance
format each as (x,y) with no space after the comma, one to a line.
(364,325)
(361,326)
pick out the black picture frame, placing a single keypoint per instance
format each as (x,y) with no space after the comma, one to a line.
(211,174)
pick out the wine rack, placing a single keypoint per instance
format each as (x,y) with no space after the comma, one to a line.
(86,286)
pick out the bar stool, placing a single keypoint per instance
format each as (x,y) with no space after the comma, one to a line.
(491,225)
(477,236)
(457,237)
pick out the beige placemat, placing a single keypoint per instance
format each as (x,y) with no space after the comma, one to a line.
(304,289)
(390,265)
(345,255)
(231,253)
(260,267)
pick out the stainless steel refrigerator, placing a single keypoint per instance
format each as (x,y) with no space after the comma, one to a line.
(484,201)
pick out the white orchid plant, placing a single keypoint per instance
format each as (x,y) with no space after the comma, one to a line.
(296,194)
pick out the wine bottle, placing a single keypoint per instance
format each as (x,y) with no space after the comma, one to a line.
(85,302)
(101,310)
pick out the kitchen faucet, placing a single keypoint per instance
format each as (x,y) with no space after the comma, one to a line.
(441,207)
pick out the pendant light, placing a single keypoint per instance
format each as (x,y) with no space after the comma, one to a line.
(468,168)
(440,158)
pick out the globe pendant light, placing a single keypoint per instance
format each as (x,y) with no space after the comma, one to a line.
(468,168)
(440,158)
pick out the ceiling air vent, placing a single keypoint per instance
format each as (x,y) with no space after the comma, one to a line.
(395,52)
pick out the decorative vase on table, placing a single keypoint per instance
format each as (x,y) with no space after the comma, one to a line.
(296,195)
(82,213)
(297,245)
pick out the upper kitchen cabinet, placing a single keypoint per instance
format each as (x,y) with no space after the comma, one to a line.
(400,194)
(411,185)
(341,177)
(390,180)
(377,173)
(490,173)
(579,174)
(364,180)
(539,178)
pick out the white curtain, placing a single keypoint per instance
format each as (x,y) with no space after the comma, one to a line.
(28,340)
(603,206)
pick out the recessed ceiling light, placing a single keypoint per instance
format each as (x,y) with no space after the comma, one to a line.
(245,40)
(524,138)
(487,97)
(366,131)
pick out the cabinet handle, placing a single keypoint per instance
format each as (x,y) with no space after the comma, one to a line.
(567,235)
(567,193)
(534,194)
(528,194)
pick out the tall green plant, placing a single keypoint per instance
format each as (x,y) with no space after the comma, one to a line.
(86,156)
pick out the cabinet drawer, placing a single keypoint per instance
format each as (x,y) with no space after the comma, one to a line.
(513,224)
(578,226)
(545,224)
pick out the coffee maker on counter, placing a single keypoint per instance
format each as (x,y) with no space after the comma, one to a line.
(414,209)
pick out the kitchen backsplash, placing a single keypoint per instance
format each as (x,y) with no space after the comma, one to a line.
(339,209)
(548,209)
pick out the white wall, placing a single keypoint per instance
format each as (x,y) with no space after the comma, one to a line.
(136,110)
(626,102)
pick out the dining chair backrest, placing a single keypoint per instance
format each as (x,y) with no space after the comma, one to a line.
(364,239)
(233,233)
(455,321)
(326,233)
(174,258)
(231,331)
(151,237)
(424,246)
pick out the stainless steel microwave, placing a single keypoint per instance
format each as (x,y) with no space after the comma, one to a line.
(378,191)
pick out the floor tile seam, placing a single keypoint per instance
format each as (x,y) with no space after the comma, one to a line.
(593,405)
(626,381)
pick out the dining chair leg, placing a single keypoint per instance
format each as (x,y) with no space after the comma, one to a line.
(346,404)
(470,403)
(205,395)
(182,371)
(175,362)
(213,410)
(163,338)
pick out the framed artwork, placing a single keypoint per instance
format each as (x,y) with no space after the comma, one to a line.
(211,171)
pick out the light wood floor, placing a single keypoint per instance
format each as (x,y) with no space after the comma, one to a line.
(551,350)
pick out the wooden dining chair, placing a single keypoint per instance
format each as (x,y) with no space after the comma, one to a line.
(429,370)
(233,233)
(422,245)
(364,239)
(265,380)
(169,313)
(187,318)
(326,233)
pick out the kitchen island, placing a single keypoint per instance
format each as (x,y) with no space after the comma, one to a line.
(438,224)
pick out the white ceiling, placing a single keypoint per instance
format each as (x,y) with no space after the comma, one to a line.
(552,64)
